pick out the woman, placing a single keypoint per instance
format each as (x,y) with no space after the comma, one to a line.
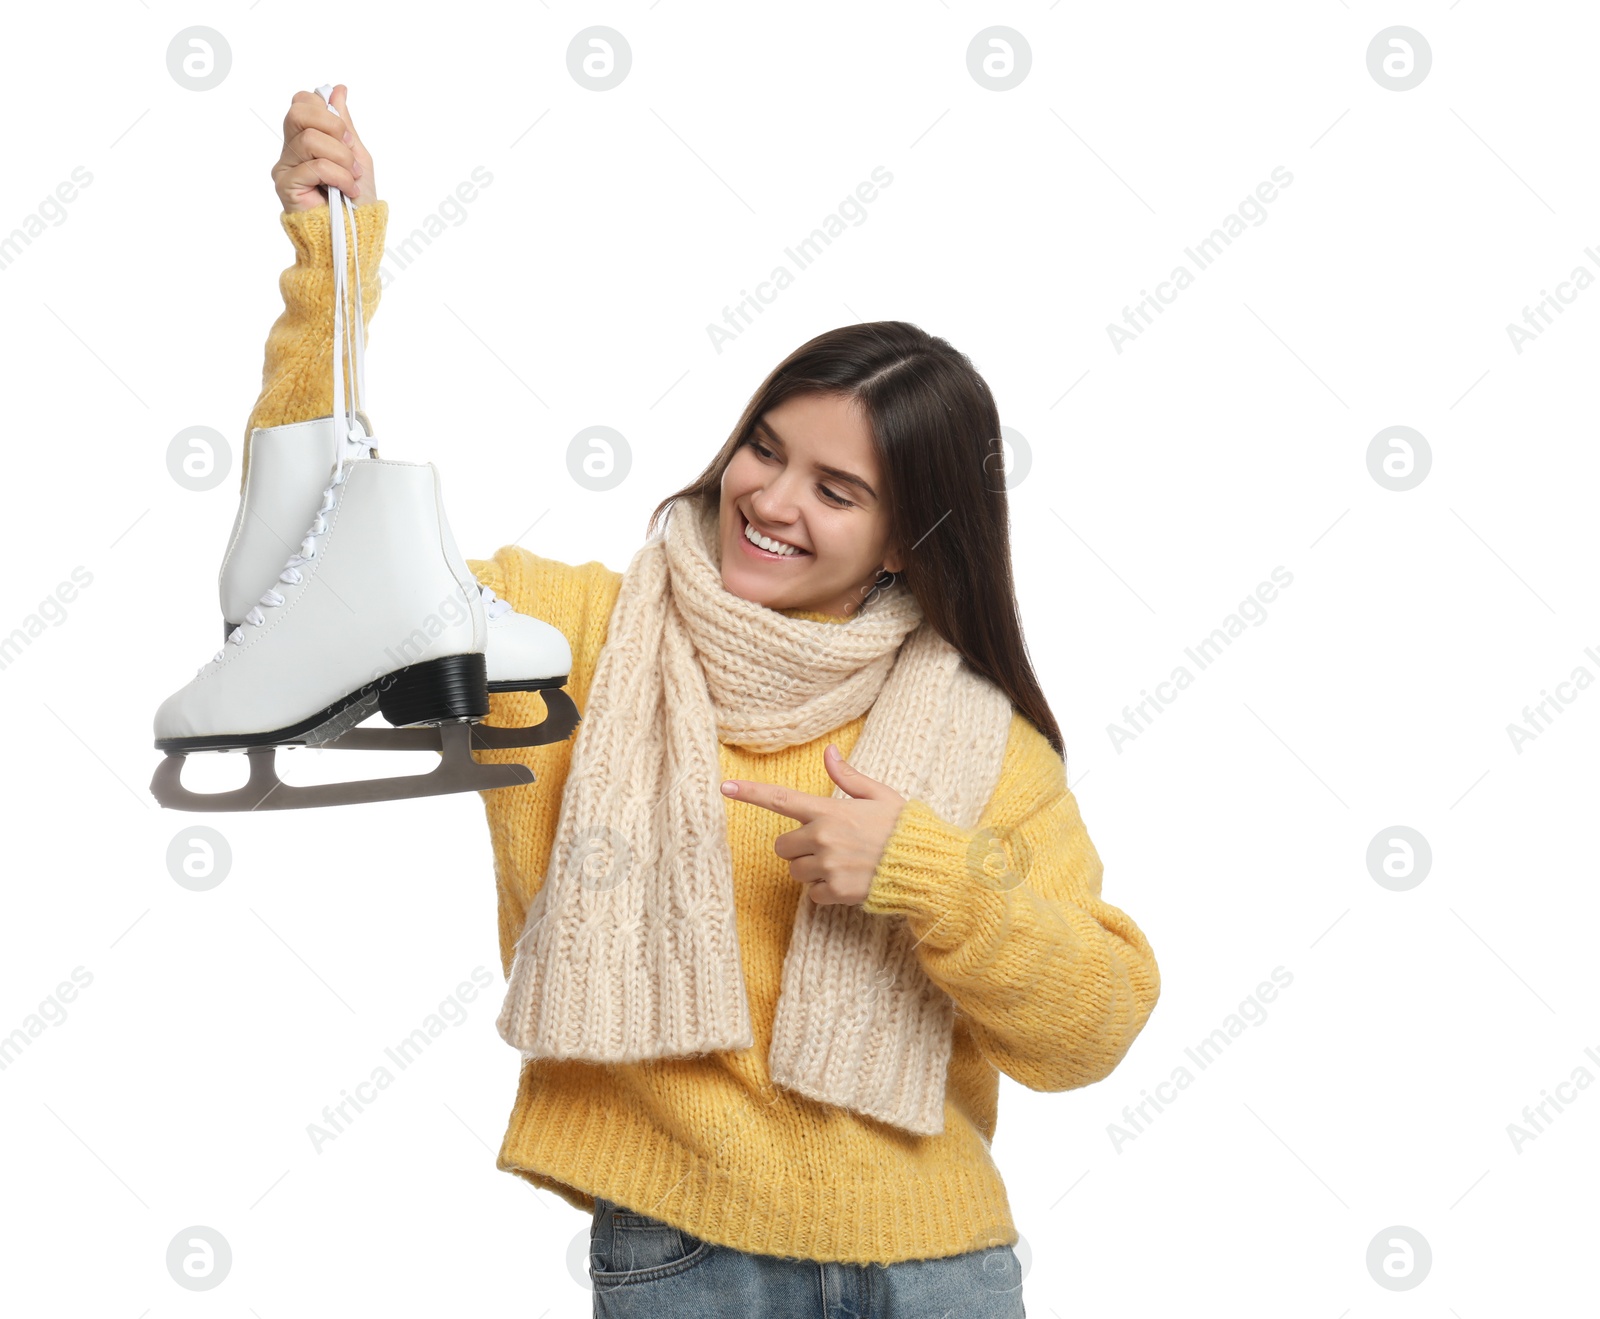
(764,1054)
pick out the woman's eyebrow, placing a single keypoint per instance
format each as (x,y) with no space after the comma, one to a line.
(838,474)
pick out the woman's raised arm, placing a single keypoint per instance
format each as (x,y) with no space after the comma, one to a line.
(297,377)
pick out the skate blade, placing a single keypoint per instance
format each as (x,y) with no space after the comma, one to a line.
(457,771)
(561,718)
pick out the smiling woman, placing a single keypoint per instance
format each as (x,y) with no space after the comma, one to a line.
(828,628)
(868,449)
(762,1033)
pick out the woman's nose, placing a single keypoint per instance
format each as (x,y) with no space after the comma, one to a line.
(772,504)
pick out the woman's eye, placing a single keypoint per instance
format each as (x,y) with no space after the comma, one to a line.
(767,453)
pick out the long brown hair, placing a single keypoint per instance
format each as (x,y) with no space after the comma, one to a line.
(936,432)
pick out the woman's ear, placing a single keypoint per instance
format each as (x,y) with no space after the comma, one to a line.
(892,562)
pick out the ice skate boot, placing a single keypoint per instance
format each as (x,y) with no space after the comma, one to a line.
(374,612)
(288,469)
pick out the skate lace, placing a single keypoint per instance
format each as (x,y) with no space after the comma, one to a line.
(349,332)
(349,335)
(291,574)
(493,605)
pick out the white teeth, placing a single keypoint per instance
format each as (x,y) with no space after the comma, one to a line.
(766,542)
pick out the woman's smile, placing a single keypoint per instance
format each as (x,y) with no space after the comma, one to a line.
(745,532)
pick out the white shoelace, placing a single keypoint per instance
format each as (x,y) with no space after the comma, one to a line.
(291,574)
(349,336)
(349,324)
(349,333)
(493,605)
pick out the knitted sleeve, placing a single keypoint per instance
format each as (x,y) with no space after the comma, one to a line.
(577,601)
(297,376)
(1053,982)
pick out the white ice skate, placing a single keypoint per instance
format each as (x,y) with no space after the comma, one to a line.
(375,612)
(289,467)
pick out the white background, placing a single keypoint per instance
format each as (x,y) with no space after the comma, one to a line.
(1167,481)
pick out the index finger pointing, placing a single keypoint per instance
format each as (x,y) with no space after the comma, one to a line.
(796,805)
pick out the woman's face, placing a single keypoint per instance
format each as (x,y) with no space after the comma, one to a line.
(808,477)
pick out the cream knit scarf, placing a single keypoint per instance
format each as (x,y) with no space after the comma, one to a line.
(630,950)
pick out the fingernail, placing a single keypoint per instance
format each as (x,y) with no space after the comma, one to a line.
(347,138)
(731,788)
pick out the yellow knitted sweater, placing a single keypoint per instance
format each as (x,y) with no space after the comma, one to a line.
(1050,983)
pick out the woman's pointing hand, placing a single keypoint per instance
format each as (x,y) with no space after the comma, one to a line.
(839,843)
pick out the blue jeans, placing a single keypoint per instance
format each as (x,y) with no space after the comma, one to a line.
(642,1268)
